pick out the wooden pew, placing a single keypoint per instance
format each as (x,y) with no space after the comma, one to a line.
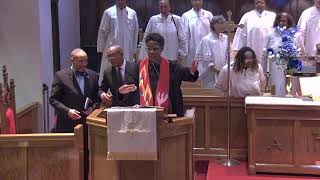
(42,156)
(210,127)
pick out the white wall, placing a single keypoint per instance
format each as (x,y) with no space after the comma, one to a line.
(69,29)
(26,47)
(46,53)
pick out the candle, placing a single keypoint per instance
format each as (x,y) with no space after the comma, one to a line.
(268,65)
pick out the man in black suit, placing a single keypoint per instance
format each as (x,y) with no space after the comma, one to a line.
(119,79)
(74,95)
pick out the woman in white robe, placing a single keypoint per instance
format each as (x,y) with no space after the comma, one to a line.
(309,24)
(196,25)
(277,75)
(246,75)
(169,26)
(212,53)
(257,24)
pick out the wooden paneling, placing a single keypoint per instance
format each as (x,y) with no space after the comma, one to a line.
(282,132)
(210,139)
(294,7)
(100,168)
(174,152)
(13,163)
(27,119)
(53,161)
(284,138)
(42,156)
(308,142)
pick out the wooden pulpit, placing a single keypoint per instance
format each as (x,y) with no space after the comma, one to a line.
(284,135)
(174,151)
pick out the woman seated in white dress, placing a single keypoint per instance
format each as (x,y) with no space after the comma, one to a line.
(246,75)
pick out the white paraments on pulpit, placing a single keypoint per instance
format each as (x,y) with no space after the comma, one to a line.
(132,134)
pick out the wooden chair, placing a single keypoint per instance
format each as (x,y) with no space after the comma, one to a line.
(7,104)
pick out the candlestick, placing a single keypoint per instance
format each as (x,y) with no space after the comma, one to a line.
(268,65)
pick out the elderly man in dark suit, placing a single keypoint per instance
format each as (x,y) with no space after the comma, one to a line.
(119,79)
(74,95)
(71,88)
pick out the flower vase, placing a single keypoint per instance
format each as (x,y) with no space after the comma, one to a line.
(288,85)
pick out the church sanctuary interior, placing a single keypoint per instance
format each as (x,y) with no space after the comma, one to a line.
(240,97)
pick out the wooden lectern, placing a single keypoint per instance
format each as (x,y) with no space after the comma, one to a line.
(174,152)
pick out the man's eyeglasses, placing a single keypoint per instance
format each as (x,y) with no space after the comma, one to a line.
(153,49)
(81,61)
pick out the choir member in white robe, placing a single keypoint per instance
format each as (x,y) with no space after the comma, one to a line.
(169,26)
(119,26)
(257,24)
(309,24)
(212,53)
(246,75)
(277,77)
(196,25)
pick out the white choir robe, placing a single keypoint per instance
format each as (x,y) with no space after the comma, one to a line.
(212,50)
(254,33)
(117,27)
(277,76)
(309,24)
(174,37)
(242,84)
(196,25)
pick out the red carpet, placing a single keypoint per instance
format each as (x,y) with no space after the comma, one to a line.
(218,172)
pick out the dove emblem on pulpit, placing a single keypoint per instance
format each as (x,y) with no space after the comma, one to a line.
(132,125)
(162,97)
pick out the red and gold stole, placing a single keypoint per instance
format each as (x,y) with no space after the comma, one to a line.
(162,92)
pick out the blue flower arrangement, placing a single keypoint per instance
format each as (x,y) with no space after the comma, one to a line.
(287,56)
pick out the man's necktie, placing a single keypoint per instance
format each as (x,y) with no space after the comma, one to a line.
(119,77)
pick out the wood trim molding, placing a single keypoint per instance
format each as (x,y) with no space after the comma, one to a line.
(27,118)
(26,109)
